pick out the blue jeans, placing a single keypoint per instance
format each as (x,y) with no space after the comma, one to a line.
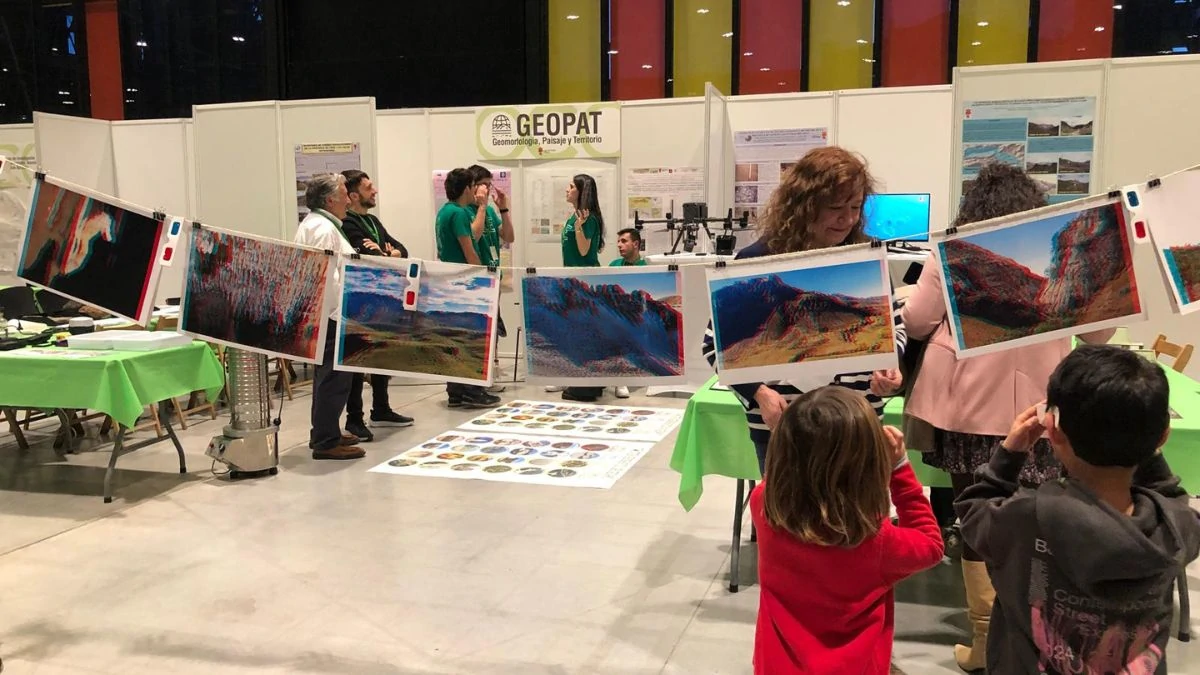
(760,449)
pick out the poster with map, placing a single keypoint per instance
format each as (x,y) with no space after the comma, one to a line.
(1053,140)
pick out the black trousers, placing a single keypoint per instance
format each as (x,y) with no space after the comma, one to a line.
(379,396)
(331,389)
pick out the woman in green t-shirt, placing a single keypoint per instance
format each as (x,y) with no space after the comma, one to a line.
(582,241)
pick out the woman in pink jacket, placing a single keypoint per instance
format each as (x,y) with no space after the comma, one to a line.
(971,403)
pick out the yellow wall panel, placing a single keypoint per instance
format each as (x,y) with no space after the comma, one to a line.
(574,32)
(703,34)
(840,44)
(992,32)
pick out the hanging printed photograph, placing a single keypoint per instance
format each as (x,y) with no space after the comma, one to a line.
(448,334)
(261,295)
(100,252)
(604,326)
(823,315)
(519,459)
(1039,276)
(1171,215)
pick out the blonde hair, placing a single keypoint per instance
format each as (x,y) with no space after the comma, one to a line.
(827,469)
(822,177)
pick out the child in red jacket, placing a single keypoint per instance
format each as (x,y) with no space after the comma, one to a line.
(828,555)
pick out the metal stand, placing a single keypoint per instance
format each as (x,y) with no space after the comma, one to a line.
(119,448)
(739,511)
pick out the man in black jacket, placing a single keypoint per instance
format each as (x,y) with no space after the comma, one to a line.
(368,236)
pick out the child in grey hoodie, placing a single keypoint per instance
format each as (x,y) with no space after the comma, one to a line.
(1083,566)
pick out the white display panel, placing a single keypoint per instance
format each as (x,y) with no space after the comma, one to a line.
(76,149)
(238,168)
(405,207)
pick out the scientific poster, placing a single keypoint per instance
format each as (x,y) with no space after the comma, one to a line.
(501,180)
(313,159)
(815,315)
(1170,210)
(1039,276)
(446,336)
(519,459)
(655,192)
(579,420)
(1052,139)
(15,185)
(604,326)
(257,294)
(546,203)
(91,249)
(761,157)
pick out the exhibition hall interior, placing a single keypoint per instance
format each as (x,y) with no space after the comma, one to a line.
(599,336)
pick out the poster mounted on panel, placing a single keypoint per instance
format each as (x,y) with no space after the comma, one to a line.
(314,159)
(812,315)
(519,459)
(93,249)
(570,131)
(761,157)
(592,326)
(653,193)
(447,336)
(1039,276)
(1171,211)
(633,423)
(1052,139)
(16,182)
(261,295)
(546,202)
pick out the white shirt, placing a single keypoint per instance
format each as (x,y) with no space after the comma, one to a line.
(318,231)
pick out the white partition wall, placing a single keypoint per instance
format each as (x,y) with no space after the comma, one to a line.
(902,132)
(1063,79)
(18,142)
(334,120)
(402,155)
(76,149)
(237,167)
(718,152)
(154,170)
(784,111)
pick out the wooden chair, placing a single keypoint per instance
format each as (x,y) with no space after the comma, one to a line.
(1181,353)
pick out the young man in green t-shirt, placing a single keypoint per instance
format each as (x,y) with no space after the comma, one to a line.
(497,233)
(629,245)
(457,232)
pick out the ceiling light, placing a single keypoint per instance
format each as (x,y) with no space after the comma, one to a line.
(982,24)
(238,38)
(843,3)
(1118,7)
(727,35)
(970,61)
(743,54)
(1099,29)
(765,69)
(976,43)
(612,52)
(783,84)
(647,66)
(141,43)
(868,60)
(572,17)
(702,11)
(861,41)
(68,103)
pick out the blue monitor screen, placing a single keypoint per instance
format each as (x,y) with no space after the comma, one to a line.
(897,217)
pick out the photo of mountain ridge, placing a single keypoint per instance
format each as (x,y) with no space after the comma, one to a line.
(604,324)
(1054,273)
(447,337)
(801,315)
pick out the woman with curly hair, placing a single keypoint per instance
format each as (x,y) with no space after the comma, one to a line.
(970,403)
(818,204)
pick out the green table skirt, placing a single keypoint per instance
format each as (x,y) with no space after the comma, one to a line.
(715,440)
(117,383)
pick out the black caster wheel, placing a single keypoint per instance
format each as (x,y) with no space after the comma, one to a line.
(235,475)
(273,471)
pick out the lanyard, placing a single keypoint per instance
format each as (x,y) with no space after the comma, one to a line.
(336,223)
(368,225)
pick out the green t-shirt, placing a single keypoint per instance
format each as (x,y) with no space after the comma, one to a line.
(620,262)
(488,245)
(570,249)
(452,222)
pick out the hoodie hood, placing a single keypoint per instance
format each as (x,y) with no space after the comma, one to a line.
(1127,555)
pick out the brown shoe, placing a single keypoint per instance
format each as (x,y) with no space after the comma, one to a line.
(349,439)
(340,452)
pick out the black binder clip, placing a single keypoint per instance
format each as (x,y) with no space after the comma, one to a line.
(353,256)
(196,225)
(672,267)
(160,216)
(876,243)
(39,174)
(1114,194)
(493,269)
(530,270)
(720,264)
(329,252)
(951,231)
(1153,183)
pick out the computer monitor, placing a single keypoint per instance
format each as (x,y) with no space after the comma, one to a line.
(897,217)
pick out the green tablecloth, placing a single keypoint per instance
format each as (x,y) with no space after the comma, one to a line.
(714,440)
(117,383)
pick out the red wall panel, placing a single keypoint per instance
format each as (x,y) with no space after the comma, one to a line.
(104,60)
(916,43)
(637,39)
(1075,29)
(771,37)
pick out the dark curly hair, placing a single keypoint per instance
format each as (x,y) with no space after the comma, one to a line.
(821,177)
(999,190)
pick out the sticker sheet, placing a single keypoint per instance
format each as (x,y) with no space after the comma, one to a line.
(581,420)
